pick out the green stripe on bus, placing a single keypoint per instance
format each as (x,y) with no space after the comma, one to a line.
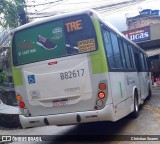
(98,58)
(120,86)
(17,75)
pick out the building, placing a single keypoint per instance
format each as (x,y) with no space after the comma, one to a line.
(145,18)
(143,29)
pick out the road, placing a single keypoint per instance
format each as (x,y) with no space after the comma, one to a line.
(148,123)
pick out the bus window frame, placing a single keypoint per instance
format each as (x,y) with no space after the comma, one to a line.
(130,48)
(136,52)
(104,27)
(131,53)
(145,62)
(122,51)
(143,67)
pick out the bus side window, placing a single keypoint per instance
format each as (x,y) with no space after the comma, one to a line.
(137,61)
(112,49)
(142,62)
(127,56)
(145,61)
(130,50)
(122,53)
(108,47)
(116,51)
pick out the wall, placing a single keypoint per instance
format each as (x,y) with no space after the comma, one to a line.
(142,22)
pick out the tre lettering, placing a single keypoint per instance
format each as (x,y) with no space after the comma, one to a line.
(74,26)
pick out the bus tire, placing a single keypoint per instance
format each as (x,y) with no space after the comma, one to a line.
(135,113)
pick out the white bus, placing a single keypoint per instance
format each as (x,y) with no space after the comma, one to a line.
(76,68)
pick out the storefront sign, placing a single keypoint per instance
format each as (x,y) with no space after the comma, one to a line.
(138,35)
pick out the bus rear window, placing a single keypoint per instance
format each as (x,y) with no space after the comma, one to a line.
(54,39)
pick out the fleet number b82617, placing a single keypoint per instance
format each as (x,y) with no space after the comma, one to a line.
(72,74)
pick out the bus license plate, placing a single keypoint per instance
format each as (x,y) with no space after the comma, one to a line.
(58,103)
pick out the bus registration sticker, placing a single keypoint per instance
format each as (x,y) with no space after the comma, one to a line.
(86,45)
(60,102)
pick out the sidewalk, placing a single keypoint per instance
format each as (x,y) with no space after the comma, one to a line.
(155,87)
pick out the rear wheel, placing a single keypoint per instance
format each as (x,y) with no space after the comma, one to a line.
(135,113)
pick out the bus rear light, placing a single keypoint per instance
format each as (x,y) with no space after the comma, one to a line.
(101,95)
(99,103)
(102,86)
(21,104)
(19,98)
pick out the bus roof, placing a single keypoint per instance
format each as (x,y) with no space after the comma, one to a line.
(55,17)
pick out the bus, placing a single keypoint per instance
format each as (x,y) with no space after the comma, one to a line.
(76,68)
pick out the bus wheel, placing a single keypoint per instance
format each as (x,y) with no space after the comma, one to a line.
(135,113)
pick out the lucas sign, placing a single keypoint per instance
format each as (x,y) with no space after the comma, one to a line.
(138,35)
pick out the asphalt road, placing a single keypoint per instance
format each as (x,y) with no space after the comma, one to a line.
(148,123)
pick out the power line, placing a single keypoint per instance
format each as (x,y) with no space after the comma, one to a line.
(61,1)
(100,9)
(96,8)
(44,3)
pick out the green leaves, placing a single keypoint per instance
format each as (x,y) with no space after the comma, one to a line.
(9,12)
(3,77)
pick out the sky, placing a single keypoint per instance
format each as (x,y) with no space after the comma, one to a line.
(118,19)
(115,15)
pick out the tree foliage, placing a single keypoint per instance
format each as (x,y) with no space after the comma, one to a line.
(9,12)
(3,76)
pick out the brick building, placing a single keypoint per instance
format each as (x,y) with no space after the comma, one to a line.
(145,18)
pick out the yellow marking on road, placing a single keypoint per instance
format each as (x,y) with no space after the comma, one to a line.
(156,113)
(155,110)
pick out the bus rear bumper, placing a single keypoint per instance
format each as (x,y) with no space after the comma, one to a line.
(105,114)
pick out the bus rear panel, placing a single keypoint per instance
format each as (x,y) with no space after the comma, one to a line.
(56,73)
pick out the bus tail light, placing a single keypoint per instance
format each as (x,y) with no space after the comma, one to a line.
(101,95)
(19,98)
(102,86)
(21,104)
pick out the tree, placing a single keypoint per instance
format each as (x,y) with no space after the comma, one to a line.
(12,13)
